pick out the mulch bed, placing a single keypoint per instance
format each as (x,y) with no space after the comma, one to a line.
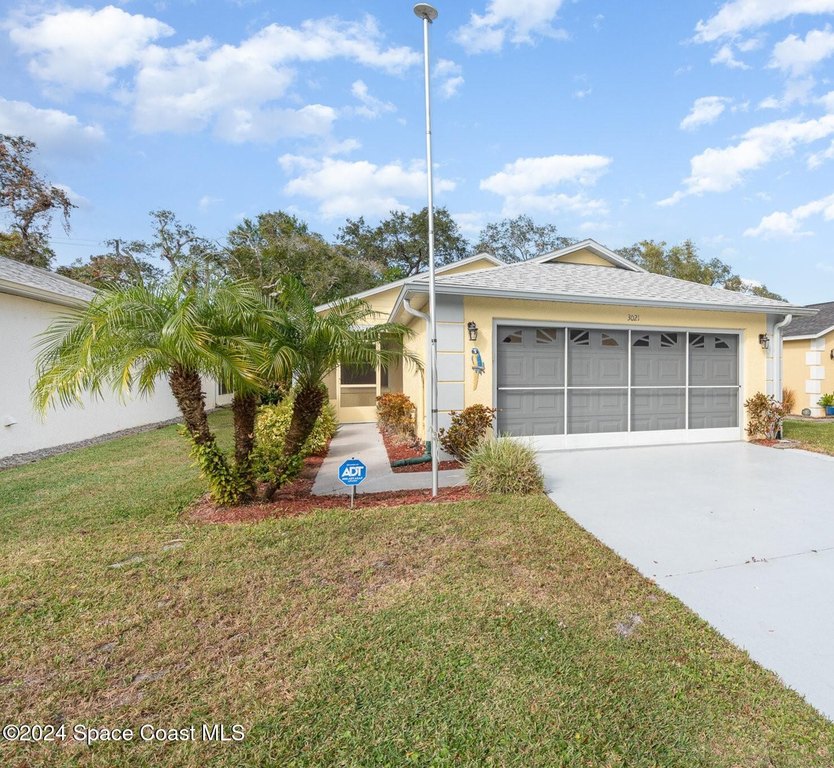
(296,499)
(399,450)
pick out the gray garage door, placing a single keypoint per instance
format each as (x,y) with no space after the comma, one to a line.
(553,380)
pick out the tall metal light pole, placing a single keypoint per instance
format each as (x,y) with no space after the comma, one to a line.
(428,14)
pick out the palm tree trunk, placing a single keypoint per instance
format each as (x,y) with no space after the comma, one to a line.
(244,410)
(309,400)
(188,392)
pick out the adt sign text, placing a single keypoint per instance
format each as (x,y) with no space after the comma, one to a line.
(352,472)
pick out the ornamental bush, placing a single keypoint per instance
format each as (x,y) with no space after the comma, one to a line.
(468,428)
(504,465)
(395,415)
(765,416)
(271,426)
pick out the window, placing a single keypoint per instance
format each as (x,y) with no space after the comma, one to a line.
(222,389)
(513,338)
(546,335)
(697,341)
(721,343)
(609,341)
(641,341)
(353,375)
(580,338)
(668,340)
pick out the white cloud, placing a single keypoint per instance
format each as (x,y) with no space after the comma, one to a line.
(201,83)
(718,170)
(737,16)
(344,188)
(77,199)
(470,223)
(51,129)
(531,174)
(705,110)
(81,49)
(527,184)
(796,92)
(724,55)
(818,158)
(207,201)
(579,204)
(450,77)
(797,56)
(788,224)
(515,21)
(582,93)
(371,107)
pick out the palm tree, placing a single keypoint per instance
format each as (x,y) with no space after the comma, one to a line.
(310,345)
(129,337)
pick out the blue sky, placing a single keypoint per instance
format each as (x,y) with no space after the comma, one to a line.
(617,121)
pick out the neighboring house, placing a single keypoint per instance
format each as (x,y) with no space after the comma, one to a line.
(580,347)
(809,357)
(30,298)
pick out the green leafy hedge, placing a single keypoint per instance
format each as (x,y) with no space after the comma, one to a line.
(271,427)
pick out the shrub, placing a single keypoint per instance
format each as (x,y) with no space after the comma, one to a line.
(468,428)
(826,401)
(395,415)
(504,465)
(765,416)
(789,400)
(271,425)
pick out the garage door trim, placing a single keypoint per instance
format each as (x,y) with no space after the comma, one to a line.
(686,434)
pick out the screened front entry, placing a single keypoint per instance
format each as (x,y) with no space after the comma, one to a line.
(554,380)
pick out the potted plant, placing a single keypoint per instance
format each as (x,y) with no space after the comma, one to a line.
(827,402)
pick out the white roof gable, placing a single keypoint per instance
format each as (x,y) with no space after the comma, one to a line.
(588,245)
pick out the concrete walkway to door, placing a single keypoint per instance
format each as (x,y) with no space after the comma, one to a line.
(744,535)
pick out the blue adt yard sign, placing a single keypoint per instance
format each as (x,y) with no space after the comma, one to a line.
(352,472)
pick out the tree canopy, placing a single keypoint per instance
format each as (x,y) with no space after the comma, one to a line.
(399,245)
(27,201)
(683,262)
(519,239)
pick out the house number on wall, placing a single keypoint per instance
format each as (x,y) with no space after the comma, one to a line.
(634,318)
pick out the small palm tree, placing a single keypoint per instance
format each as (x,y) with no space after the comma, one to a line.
(310,345)
(130,337)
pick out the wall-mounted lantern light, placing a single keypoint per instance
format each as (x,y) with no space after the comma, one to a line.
(473,331)
(831,354)
(764,340)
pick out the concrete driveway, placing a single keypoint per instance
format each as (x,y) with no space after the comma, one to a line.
(743,535)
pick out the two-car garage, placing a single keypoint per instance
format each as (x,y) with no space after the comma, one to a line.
(616,386)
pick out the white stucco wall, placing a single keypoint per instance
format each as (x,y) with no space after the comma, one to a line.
(21,320)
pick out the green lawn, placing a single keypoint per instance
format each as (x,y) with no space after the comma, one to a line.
(467,634)
(814,435)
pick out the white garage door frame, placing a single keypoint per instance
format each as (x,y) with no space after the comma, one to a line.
(629,438)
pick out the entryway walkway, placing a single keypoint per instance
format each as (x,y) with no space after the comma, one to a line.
(744,535)
(363,442)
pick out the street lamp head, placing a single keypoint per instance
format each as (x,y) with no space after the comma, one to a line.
(425,11)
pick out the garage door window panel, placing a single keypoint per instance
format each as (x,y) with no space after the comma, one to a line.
(597,358)
(658,359)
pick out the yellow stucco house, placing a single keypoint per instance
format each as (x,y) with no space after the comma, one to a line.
(808,349)
(580,348)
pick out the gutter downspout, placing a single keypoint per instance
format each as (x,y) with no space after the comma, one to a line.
(777,349)
(427,456)
(777,362)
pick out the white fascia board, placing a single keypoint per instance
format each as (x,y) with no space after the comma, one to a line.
(809,335)
(405,280)
(586,299)
(38,294)
(590,245)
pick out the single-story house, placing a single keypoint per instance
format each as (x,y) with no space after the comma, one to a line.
(580,347)
(30,299)
(808,349)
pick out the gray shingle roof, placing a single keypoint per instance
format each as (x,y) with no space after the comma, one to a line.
(40,280)
(813,326)
(581,282)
